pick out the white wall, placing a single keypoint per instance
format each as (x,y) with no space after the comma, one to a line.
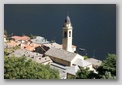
(75,58)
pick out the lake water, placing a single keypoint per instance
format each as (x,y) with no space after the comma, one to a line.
(94,26)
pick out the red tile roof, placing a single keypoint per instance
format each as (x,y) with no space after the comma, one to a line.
(20,38)
(30,47)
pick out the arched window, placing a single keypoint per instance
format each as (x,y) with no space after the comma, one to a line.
(65,34)
(69,33)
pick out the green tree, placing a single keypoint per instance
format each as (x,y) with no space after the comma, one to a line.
(85,57)
(32,36)
(82,73)
(22,68)
(86,74)
(107,70)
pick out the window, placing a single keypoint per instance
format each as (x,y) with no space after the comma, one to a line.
(65,34)
(69,33)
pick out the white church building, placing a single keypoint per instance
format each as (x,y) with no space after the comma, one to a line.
(64,54)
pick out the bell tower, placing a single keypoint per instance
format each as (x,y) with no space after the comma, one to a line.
(67,35)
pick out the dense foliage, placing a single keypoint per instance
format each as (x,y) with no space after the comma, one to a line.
(108,68)
(82,73)
(22,68)
(85,74)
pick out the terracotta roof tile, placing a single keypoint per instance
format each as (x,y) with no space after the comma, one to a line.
(30,47)
(20,38)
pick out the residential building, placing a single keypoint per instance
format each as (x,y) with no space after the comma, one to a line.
(44,60)
(41,49)
(22,39)
(29,47)
(37,57)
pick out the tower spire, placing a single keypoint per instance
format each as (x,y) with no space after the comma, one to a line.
(67,20)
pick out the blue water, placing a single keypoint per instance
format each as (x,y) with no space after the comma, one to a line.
(94,26)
